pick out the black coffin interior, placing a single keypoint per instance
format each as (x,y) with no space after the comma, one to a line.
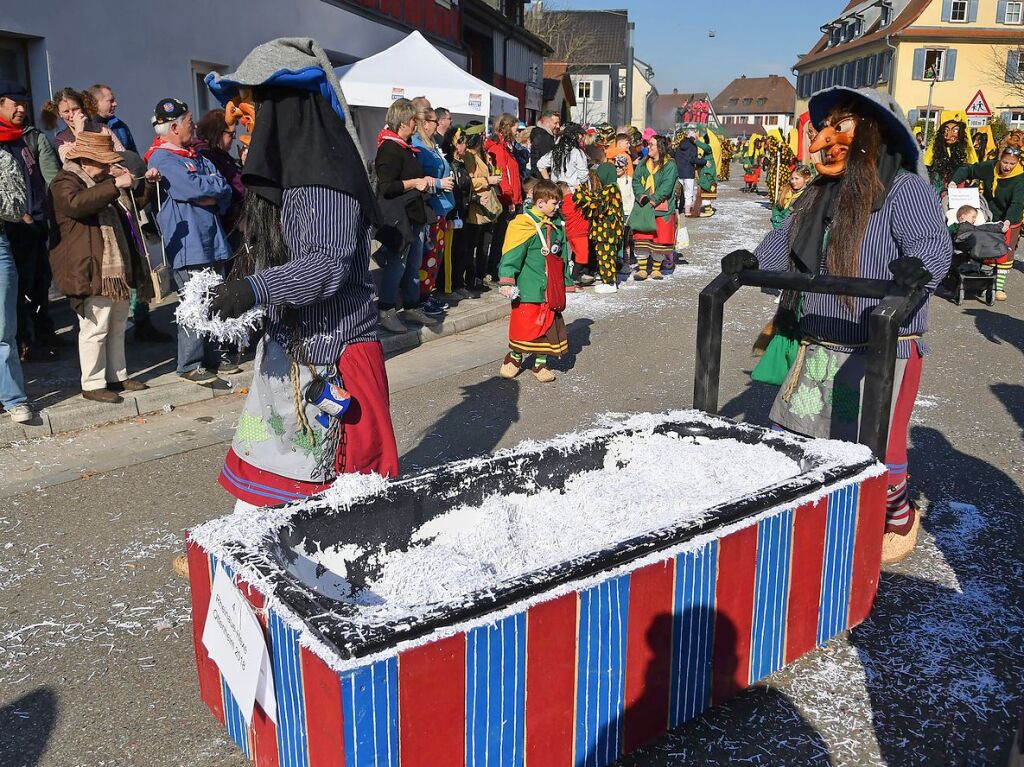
(391,519)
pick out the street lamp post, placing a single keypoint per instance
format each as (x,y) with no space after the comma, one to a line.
(932,75)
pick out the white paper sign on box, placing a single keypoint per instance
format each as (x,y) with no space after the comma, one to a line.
(234,638)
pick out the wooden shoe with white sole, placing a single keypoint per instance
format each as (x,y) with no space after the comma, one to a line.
(897,546)
(509,367)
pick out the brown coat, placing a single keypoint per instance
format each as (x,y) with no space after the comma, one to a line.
(478,172)
(76,241)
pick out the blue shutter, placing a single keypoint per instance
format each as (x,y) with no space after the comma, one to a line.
(947,10)
(919,63)
(913,116)
(1012,66)
(1001,12)
(1005,117)
(972,10)
(596,90)
(950,63)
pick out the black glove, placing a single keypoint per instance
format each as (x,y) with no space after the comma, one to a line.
(232,299)
(909,273)
(737,261)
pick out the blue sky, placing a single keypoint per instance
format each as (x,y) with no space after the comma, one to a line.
(754,38)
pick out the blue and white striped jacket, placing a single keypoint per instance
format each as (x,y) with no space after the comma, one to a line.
(909,224)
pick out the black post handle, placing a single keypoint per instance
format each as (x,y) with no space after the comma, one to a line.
(897,302)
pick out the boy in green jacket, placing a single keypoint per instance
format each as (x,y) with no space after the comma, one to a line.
(534,272)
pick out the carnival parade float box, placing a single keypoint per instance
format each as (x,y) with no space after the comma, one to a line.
(557,604)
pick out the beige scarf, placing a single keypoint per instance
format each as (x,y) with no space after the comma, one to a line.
(116,266)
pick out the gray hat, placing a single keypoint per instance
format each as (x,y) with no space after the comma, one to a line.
(881,105)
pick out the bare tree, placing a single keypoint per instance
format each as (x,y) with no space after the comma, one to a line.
(1004,68)
(569,40)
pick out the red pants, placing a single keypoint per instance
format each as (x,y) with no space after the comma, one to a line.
(896,450)
(367,442)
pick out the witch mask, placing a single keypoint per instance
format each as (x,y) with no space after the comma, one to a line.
(833,141)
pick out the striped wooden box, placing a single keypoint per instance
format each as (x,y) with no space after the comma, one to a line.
(584,676)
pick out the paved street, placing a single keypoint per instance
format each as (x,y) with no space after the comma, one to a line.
(96,664)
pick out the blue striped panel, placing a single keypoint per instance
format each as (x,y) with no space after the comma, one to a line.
(234,722)
(693,629)
(837,569)
(600,672)
(771,594)
(369,700)
(496,693)
(291,704)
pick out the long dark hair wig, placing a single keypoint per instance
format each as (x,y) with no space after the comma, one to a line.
(946,163)
(568,140)
(855,197)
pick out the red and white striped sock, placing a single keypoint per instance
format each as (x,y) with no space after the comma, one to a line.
(898,513)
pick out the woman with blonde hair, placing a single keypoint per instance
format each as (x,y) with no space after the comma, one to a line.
(438,170)
(73,109)
(402,188)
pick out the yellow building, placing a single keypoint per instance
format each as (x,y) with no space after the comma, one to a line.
(954,49)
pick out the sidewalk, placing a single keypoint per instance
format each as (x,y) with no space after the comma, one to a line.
(54,388)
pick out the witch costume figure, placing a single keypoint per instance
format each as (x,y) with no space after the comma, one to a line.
(318,405)
(871,213)
(950,149)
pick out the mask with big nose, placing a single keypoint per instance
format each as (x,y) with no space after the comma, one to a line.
(833,141)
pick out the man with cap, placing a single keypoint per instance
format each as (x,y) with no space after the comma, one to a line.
(38,163)
(190,198)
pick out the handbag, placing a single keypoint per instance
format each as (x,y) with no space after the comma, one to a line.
(682,237)
(159,275)
(642,219)
(489,204)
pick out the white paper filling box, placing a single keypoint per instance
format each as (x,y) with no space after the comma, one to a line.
(557,604)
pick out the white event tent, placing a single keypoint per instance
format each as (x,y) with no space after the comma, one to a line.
(409,68)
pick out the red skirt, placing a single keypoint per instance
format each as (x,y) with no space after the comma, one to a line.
(664,233)
(537,329)
(367,443)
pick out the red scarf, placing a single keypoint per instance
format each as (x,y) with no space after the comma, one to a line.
(160,143)
(10,132)
(389,135)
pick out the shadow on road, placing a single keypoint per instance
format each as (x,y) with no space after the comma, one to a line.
(472,427)
(578,332)
(25,727)
(943,658)
(752,405)
(999,328)
(1012,397)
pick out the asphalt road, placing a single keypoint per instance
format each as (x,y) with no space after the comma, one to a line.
(96,662)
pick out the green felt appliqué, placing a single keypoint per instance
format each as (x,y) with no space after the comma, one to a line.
(251,430)
(276,423)
(806,402)
(311,443)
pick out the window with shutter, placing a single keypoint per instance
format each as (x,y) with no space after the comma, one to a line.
(958,11)
(1012,13)
(1014,70)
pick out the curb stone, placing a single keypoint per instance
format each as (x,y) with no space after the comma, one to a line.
(75,414)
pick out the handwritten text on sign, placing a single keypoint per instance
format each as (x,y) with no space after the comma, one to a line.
(234,639)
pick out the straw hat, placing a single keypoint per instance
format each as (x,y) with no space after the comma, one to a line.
(98,147)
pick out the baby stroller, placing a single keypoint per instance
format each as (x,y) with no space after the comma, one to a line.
(967,271)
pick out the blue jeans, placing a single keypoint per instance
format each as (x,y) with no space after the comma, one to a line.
(195,351)
(401,272)
(12,385)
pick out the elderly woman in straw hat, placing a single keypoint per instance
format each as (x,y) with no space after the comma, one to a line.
(97,257)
